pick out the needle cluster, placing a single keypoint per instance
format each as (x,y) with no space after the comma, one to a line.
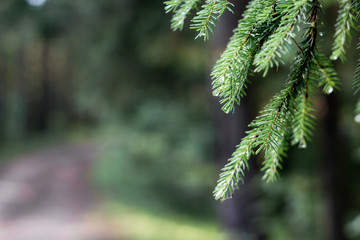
(259,42)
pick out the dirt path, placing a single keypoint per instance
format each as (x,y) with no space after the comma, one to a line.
(48,196)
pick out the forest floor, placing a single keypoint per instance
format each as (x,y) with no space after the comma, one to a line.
(47,195)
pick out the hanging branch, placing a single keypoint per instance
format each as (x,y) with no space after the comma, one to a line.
(259,41)
(356,86)
(206,19)
(278,43)
(181,9)
(356,83)
(230,72)
(274,159)
(172,5)
(272,127)
(344,22)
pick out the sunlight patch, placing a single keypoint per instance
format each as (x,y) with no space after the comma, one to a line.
(36,3)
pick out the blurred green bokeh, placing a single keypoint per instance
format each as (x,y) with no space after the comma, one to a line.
(111,71)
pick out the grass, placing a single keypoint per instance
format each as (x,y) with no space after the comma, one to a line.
(137,224)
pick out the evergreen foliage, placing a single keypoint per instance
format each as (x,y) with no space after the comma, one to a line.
(206,19)
(262,37)
(345,21)
(356,85)
(181,9)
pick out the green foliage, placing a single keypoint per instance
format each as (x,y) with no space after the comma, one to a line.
(278,43)
(162,154)
(181,9)
(172,5)
(324,71)
(288,113)
(303,122)
(273,159)
(262,37)
(206,19)
(356,83)
(357,110)
(344,22)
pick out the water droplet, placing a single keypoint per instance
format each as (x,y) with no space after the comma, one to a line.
(248,153)
(222,79)
(330,90)
(321,34)
(357,118)
(335,58)
(302,144)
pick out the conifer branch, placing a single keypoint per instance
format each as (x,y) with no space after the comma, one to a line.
(357,111)
(277,44)
(272,126)
(274,159)
(356,86)
(206,18)
(181,9)
(260,39)
(345,21)
(233,172)
(324,71)
(303,121)
(172,5)
(231,70)
(356,83)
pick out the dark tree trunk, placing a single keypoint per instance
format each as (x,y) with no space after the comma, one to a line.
(23,88)
(66,102)
(333,174)
(45,100)
(237,214)
(2,100)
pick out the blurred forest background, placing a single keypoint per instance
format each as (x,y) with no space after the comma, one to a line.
(113,74)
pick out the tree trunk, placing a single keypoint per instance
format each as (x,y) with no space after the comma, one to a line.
(45,100)
(23,88)
(2,101)
(237,214)
(333,174)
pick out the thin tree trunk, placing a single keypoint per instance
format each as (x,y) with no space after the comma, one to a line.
(333,174)
(23,88)
(2,101)
(45,100)
(237,214)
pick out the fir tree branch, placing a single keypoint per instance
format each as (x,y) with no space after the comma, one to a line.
(344,23)
(357,111)
(324,71)
(356,86)
(274,159)
(277,44)
(297,83)
(206,19)
(179,17)
(233,172)
(261,38)
(181,9)
(230,71)
(272,126)
(268,130)
(172,5)
(356,82)
(303,120)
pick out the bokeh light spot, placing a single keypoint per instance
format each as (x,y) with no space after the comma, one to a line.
(36,3)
